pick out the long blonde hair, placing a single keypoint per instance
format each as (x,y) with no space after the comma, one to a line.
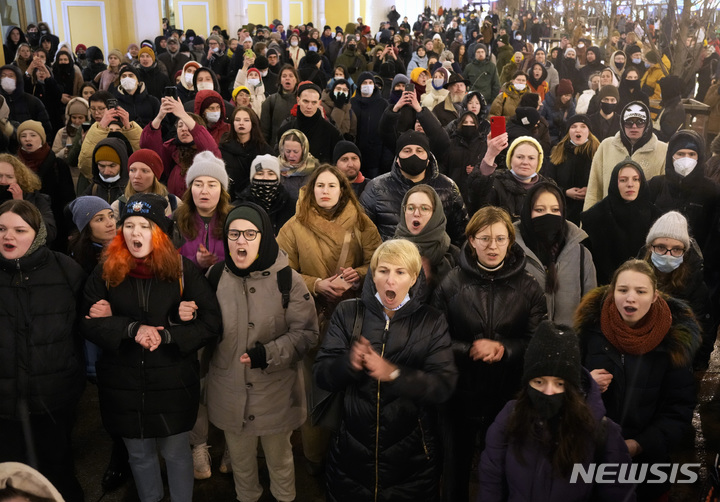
(26,179)
(588,149)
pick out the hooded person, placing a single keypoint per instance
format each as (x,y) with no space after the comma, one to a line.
(672,116)
(68,140)
(631,90)
(186,89)
(591,67)
(414,163)
(336,105)
(635,140)
(557,109)
(685,188)
(95,59)
(13,39)
(204,79)
(468,142)
(267,191)
(23,106)
(617,224)
(352,58)
(617,63)
(436,92)
(606,121)
(211,106)
(659,68)
(133,97)
(109,168)
(296,160)
(419,59)
(395,94)
(537,80)
(253,81)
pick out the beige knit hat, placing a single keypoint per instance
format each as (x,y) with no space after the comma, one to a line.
(32,125)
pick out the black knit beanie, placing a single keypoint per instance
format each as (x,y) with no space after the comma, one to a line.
(553,351)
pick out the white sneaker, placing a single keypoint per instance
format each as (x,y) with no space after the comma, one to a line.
(201,461)
(226,464)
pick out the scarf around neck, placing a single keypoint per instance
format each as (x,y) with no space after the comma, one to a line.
(35,159)
(642,338)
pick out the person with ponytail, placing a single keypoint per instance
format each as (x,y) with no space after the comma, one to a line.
(555,256)
(638,345)
(150,310)
(556,423)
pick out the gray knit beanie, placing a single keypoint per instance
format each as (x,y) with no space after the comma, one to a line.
(671,225)
(207,164)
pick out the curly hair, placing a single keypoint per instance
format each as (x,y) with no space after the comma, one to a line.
(164,260)
(26,179)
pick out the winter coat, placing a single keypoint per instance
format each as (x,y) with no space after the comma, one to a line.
(112,191)
(483,77)
(505,306)
(219,128)
(49,93)
(41,358)
(670,119)
(506,476)
(314,248)
(695,196)
(322,135)
(237,158)
(383,196)
(433,97)
(574,279)
(147,394)
(106,79)
(603,129)
(556,116)
(465,152)
(354,61)
(154,79)
(416,62)
(393,124)
(259,401)
(24,106)
(97,133)
(650,81)
(169,153)
(651,396)
(508,100)
(376,156)
(174,63)
(504,56)
(500,189)
(650,156)
(446,111)
(220,64)
(206,237)
(275,109)
(388,445)
(343,118)
(572,173)
(141,106)
(43,204)
(257,93)
(712,99)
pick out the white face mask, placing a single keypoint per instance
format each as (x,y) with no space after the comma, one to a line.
(294,43)
(253,81)
(367,90)
(518,37)
(684,165)
(111,179)
(8,84)
(216,49)
(339,39)
(438,83)
(205,86)
(264,73)
(128,83)
(212,117)
(189,78)
(519,87)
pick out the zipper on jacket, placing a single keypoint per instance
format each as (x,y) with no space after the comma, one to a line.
(377,414)
(422,435)
(207,236)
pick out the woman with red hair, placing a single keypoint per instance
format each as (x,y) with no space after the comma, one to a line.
(150,310)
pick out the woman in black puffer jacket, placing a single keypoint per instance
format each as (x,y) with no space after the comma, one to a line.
(468,144)
(41,364)
(395,373)
(493,308)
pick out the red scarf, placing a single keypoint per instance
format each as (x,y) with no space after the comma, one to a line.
(35,159)
(141,270)
(645,336)
(359,178)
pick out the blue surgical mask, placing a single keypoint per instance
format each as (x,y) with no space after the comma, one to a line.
(666,263)
(636,60)
(312,48)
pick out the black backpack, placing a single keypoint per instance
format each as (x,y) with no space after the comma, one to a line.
(284,280)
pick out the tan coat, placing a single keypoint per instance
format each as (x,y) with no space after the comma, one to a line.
(261,401)
(95,135)
(314,249)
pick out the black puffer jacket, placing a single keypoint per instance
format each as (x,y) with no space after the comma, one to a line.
(695,196)
(387,428)
(651,396)
(464,152)
(238,158)
(141,106)
(41,359)
(500,189)
(154,79)
(383,197)
(505,306)
(147,394)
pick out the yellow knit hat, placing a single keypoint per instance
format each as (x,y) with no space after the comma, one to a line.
(107,154)
(526,139)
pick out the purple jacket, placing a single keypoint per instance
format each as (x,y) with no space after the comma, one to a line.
(503,477)
(206,238)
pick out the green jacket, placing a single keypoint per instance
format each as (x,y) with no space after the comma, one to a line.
(504,55)
(483,77)
(353,61)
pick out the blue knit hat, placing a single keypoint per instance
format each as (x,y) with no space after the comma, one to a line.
(85,208)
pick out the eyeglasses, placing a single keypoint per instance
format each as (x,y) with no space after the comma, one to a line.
(634,122)
(423,208)
(663,250)
(485,240)
(250,235)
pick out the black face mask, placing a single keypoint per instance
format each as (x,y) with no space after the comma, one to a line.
(546,406)
(619,66)
(5,194)
(468,132)
(547,227)
(608,108)
(265,190)
(413,165)
(352,47)
(340,99)
(633,85)
(82,56)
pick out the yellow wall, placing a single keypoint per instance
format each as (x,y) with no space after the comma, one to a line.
(338,14)
(298,14)
(195,16)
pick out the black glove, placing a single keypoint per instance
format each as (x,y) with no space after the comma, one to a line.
(258,358)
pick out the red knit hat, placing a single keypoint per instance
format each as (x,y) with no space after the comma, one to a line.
(564,87)
(149,158)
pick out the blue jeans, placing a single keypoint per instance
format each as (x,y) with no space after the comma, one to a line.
(145,466)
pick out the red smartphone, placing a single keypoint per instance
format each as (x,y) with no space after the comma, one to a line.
(497,126)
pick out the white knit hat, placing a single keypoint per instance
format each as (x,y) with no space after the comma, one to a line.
(207,164)
(265,162)
(671,225)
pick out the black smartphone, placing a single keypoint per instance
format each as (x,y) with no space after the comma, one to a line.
(410,87)
(112,103)
(171,92)
(86,126)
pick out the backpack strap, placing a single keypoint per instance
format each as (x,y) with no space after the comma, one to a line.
(284,280)
(173,202)
(214,274)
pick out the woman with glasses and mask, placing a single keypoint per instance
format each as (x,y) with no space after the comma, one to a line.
(678,265)
(493,307)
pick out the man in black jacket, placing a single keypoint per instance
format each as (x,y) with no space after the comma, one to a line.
(219,62)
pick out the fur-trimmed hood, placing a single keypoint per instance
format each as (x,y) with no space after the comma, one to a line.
(681,341)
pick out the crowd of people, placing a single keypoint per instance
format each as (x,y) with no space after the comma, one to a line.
(442,252)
